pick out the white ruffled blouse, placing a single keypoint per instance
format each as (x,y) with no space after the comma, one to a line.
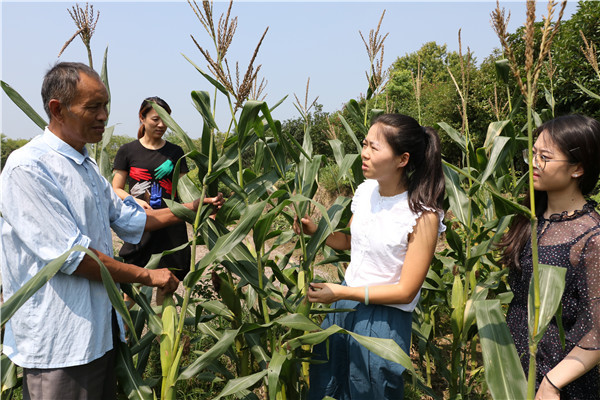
(380,229)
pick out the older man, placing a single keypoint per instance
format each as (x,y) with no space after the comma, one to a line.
(53,198)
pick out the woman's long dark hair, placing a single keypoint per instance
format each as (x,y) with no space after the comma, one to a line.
(578,137)
(145,109)
(423,173)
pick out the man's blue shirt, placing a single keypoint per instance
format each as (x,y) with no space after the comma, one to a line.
(52,198)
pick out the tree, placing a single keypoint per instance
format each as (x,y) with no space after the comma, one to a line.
(572,65)
(9,145)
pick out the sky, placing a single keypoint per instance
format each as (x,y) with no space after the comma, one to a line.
(147,42)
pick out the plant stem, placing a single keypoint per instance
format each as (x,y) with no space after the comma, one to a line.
(531,379)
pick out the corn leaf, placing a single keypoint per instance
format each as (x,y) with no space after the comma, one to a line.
(104,78)
(237,385)
(552,285)
(187,143)
(351,133)
(503,372)
(209,78)
(456,195)
(129,379)
(273,373)
(223,344)
(9,373)
(201,101)
(385,348)
(454,135)
(23,105)
(227,242)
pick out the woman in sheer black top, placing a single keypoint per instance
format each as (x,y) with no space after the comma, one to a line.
(566,166)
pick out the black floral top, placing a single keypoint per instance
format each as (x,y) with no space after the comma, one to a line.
(571,242)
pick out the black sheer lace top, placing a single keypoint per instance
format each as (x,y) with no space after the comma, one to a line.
(572,242)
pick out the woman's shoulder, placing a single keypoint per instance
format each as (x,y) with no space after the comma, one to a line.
(366,187)
(133,145)
(172,147)
(364,192)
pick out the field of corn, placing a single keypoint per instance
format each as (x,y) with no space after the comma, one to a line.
(242,327)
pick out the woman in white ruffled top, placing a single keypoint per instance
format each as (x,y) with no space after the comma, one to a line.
(397,217)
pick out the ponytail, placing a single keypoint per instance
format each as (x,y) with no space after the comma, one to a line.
(426,186)
(141,131)
(423,173)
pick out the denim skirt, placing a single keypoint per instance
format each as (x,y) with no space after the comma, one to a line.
(350,371)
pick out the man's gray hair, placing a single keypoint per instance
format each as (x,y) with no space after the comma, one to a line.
(60,83)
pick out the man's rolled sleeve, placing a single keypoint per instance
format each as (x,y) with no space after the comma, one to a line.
(127,218)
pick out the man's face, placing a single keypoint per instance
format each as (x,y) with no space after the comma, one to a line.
(84,118)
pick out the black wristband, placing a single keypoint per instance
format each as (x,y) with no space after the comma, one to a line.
(553,385)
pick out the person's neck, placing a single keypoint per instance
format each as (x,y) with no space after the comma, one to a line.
(569,201)
(56,130)
(151,143)
(389,189)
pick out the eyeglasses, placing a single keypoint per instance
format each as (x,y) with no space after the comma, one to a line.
(539,160)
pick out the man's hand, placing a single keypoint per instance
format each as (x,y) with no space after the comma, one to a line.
(163,279)
(216,202)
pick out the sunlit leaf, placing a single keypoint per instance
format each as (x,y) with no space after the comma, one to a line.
(23,105)
(504,375)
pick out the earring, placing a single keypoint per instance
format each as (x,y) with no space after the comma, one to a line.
(575,175)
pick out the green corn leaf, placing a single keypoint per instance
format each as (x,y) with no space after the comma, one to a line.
(357,116)
(154,322)
(237,385)
(171,377)
(457,296)
(201,101)
(23,105)
(503,372)
(325,227)
(227,242)
(187,143)
(128,377)
(9,373)
(502,70)
(104,78)
(104,162)
(345,168)
(297,321)
(385,348)
(209,78)
(218,308)
(480,293)
(11,305)
(459,201)
(351,133)
(338,150)
(455,135)
(182,211)
(588,92)
(223,344)
(495,129)
(114,294)
(247,117)
(552,285)
(498,155)
(274,372)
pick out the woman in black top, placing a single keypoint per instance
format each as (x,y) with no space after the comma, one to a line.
(566,167)
(147,165)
